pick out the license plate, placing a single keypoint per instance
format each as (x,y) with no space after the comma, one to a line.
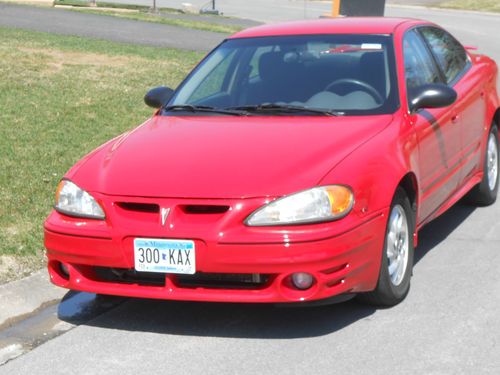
(167,256)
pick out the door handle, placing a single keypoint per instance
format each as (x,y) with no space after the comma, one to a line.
(455,119)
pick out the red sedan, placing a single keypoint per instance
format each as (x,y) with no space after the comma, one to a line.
(297,162)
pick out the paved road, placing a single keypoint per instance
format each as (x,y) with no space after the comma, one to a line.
(106,27)
(470,28)
(448,324)
(265,10)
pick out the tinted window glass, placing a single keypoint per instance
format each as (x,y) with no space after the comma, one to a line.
(449,53)
(350,74)
(420,68)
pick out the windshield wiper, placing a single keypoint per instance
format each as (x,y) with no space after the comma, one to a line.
(204,108)
(274,107)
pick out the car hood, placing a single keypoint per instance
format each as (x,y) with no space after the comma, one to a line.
(222,156)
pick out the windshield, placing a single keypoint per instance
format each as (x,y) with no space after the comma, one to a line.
(336,74)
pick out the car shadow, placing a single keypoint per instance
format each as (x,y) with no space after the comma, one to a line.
(439,229)
(237,320)
(230,319)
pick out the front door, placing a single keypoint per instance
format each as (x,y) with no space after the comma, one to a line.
(470,105)
(438,131)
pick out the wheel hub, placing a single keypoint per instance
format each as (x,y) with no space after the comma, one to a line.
(397,245)
(492,162)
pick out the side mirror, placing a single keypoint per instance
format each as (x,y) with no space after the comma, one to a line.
(158,96)
(433,95)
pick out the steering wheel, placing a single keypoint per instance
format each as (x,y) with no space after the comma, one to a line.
(360,84)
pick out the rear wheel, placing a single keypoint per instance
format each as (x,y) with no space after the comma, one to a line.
(397,256)
(486,192)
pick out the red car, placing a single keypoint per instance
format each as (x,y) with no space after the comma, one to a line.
(297,162)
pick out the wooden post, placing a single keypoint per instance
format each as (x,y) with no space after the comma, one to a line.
(335,8)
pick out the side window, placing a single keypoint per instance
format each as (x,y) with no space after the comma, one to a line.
(449,53)
(419,65)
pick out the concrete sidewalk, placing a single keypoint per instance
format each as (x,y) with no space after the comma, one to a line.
(23,297)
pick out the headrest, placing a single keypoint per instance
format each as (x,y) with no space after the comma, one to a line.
(270,65)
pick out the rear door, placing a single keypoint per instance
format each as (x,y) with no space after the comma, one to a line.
(470,106)
(437,129)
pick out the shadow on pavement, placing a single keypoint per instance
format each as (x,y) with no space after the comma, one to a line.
(439,229)
(231,320)
(79,307)
(237,320)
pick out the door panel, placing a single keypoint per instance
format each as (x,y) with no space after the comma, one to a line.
(439,137)
(438,131)
(470,106)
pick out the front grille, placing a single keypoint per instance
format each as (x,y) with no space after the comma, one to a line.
(130,276)
(198,280)
(222,280)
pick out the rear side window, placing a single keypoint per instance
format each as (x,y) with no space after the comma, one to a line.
(449,53)
(420,68)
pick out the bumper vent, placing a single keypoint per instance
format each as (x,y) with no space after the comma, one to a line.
(222,281)
(204,209)
(139,207)
(130,276)
(198,280)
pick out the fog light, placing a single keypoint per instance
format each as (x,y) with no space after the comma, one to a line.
(302,280)
(64,269)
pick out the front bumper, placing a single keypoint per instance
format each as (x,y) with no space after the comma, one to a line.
(347,261)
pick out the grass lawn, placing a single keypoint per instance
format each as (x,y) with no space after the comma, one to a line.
(480,5)
(60,97)
(143,13)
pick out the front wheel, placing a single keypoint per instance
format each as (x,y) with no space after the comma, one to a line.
(397,256)
(486,192)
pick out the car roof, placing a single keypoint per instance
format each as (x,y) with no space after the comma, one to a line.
(347,25)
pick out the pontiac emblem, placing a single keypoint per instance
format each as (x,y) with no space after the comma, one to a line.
(164,215)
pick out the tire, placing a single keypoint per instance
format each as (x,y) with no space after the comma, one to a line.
(485,193)
(393,286)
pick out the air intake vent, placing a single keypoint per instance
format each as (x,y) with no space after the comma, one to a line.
(140,207)
(204,209)
(129,276)
(222,281)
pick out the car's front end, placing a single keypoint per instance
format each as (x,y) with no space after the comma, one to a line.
(233,262)
(235,190)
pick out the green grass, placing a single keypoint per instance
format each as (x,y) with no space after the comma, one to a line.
(143,13)
(480,5)
(61,97)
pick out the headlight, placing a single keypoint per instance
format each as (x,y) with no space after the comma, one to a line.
(73,201)
(323,203)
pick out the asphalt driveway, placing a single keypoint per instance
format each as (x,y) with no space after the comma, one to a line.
(65,22)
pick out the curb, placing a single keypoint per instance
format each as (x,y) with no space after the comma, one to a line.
(20,298)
